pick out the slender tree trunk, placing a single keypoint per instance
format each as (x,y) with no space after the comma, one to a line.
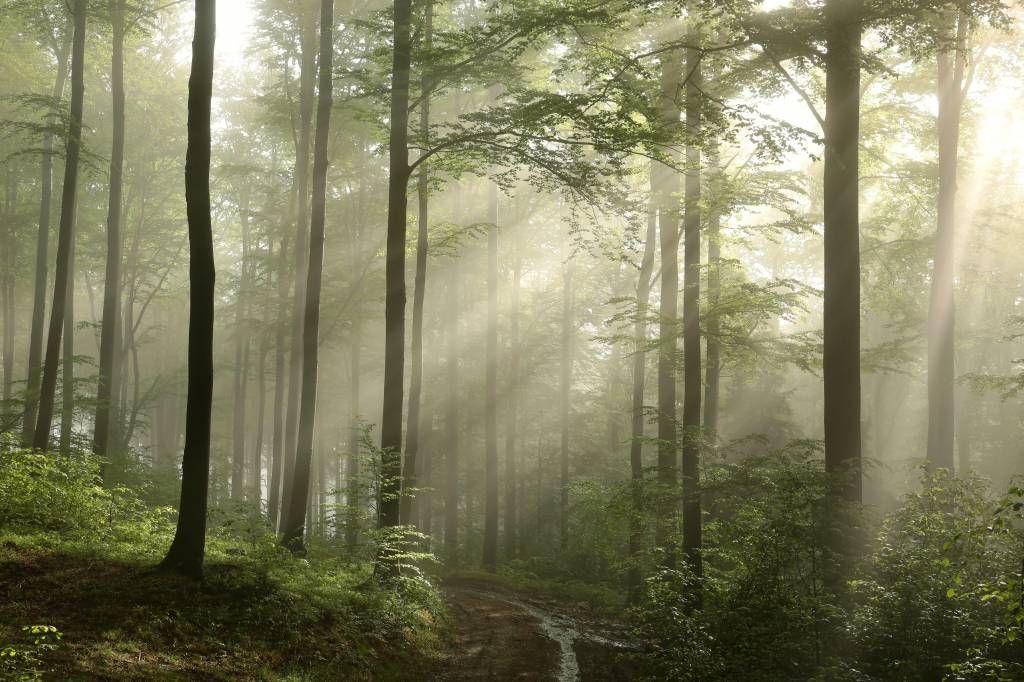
(112,277)
(692,541)
(412,444)
(353,498)
(307,79)
(490,558)
(394,314)
(511,409)
(48,387)
(941,308)
(186,553)
(565,387)
(295,521)
(713,366)
(636,445)
(241,364)
(256,472)
(7,283)
(35,345)
(67,365)
(666,191)
(841,362)
(451,457)
(277,450)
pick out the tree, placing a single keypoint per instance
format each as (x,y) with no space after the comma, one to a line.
(48,387)
(841,355)
(293,525)
(62,51)
(412,431)
(490,558)
(112,272)
(394,305)
(564,390)
(692,541)
(951,60)
(188,548)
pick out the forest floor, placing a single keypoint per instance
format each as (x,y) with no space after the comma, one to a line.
(503,634)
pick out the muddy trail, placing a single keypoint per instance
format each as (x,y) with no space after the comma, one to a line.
(503,635)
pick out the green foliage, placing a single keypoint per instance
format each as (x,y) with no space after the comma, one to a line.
(22,661)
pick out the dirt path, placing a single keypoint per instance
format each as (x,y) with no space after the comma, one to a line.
(504,636)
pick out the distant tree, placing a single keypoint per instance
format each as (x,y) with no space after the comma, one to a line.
(188,548)
(490,557)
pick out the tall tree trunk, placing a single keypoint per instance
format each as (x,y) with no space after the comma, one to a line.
(692,541)
(307,79)
(353,498)
(941,308)
(112,277)
(841,361)
(7,282)
(394,313)
(256,471)
(666,197)
(35,345)
(277,451)
(67,365)
(511,408)
(636,444)
(48,387)
(564,390)
(412,444)
(490,558)
(451,426)
(241,363)
(713,366)
(295,513)
(186,553)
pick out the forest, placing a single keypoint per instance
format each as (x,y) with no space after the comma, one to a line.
(512,339)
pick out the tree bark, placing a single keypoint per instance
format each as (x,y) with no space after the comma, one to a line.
(186,553)
(241,363)
(713,365)
(35,345)
(274,493)
(941,307)
(841,360)
(353,498)
(692,389)
(48,387)
(490,556)
(7,282)
(67,364)
(293,527)
(394,314)
(112,276)
(412,444)
(511,409)
(564,390)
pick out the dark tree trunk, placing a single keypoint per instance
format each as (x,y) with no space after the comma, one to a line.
(67,363)
(48,387)
(666,197)
(636,445)
(35,345)
(7,282)
(511,416)
(277,450)
(490,558)
(394,313)
(692,389)
(451,426)
(841,361)
(307,79)
(112,277)
(412,444)
(564,390)
(941,308)
(188,548)
(293,526)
